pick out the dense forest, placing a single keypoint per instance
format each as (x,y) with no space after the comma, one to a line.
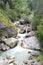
(14,10)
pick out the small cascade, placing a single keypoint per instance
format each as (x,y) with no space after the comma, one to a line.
(19,38)
(18,32)
(26,29)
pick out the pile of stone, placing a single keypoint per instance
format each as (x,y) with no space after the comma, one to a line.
(8,60)
(11,42)
(8,43)
(31,60)
(4,47)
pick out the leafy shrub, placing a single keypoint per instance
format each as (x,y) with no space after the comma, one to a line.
(41,23)
(6,20)
(40,58)
(26,20)
(40,34)
(35,22)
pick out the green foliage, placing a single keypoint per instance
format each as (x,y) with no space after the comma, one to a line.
(27,11)
(12,15)
(26,19)
(40,58)
(30,4)
(41,21)
(15,9)
(38,5)
(35,22)
(6,20)
(37,25)
(40,34)
(1,4)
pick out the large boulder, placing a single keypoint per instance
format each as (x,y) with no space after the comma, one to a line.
(8,32)
(31,43)
(11,42)
(30,34)
(4,47)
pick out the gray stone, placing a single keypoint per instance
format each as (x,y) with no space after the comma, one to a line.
(31,43)
(3,62)
(8,32)
(4,47)
(37,63)
(2,25)
(10,59)
(11,42)
(31,33)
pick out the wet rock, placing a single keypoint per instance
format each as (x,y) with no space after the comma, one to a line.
(33,63)
(37,63)
(15,63)
(10,59)
(25,29)
(11,42)
(21,26)
(25,62)
(31,33)
(17,23)
(4,47)
(22,31)
(29,63)
(31,43)
(31,60)
(3,62)
(35,54)
(28,29)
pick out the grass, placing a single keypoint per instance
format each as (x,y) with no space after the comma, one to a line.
(40,58)
(6,20)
